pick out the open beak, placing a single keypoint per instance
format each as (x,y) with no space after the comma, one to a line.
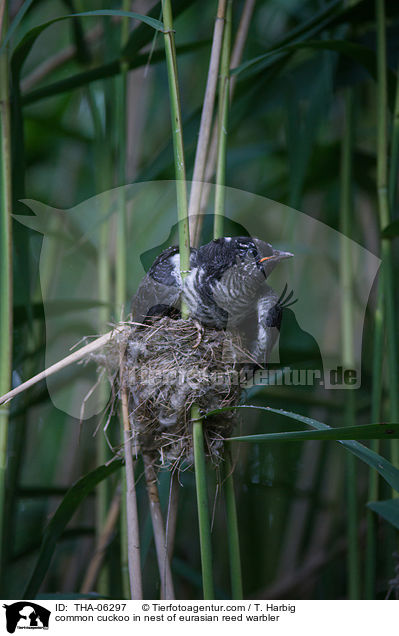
(277,255)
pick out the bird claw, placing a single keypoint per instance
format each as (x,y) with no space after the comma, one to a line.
(284,301)
(200,333)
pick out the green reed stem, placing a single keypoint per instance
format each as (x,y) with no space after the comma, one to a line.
(129,517)
(184,247)
(202,504)
(104,296)
(384,216)
(378,350)
(224,99)
(5,269)
(223,109)
(121,247)
(102,451)
(232,529)
(394,163)
(348,358)
(386,202)
(178,148)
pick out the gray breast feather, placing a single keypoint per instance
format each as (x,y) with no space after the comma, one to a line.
(238,289)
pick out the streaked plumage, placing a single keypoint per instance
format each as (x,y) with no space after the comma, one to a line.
(225,288)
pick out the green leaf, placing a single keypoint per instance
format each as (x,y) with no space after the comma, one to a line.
(104,71)
(391,231)
(368,431)
(23,48)
(388,510)
(374,460)
(333,14)
(83,54)
(137,40)
(357,52)
(313,26)
(72,500)
(14,25)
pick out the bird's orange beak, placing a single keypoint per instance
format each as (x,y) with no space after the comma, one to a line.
(266,258)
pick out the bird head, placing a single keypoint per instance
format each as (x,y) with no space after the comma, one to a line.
(254,258)
(269,257)
(228,277)
(233,270)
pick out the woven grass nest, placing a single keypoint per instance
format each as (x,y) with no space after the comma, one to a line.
(166,367)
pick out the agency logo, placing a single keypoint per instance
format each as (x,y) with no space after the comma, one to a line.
(224,288)
(26,615)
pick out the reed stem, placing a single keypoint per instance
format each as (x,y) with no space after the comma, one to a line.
(348,359)
(128,509)
(202,504)
(206,121)
(222,124)
(61,364)
(224,99)
(385,217)
(232,529)
(236,55)
(102,451)
(121,248)
(376,398)
(104,296)
(394,162)
(5,268)
(385,309)
(132,522)
(178,147)
(160,537)
(171,516)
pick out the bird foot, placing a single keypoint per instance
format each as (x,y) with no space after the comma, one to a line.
(200,333)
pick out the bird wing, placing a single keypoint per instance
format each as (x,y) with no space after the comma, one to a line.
(152,295)
(161,287)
